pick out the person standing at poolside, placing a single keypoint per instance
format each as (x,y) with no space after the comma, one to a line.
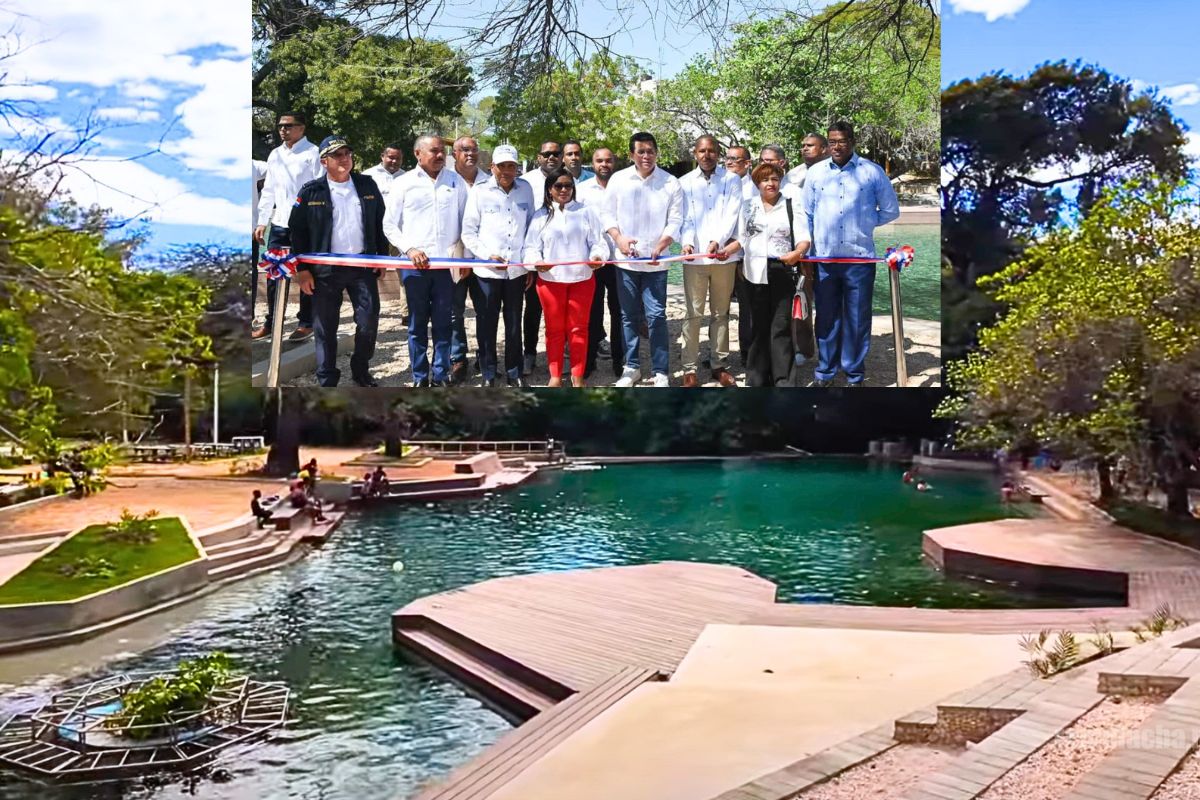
(494,224)
(466,164)
(592,193)
(813,148)
(384,174)
(712,203)
(644,213)
(549,159)
(773,154)
(292,164)
(565,230)
(737,161)
(424,221)
(845,198)
(340,213)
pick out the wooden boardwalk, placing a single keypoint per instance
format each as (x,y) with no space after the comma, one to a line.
(526,642)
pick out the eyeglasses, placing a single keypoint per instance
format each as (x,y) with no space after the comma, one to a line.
(562,185)
(551,154)
(734,159)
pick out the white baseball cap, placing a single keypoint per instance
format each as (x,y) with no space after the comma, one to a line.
(505,153)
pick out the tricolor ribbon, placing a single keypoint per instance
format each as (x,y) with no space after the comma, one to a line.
(899,257)
(277,261)
(278,264)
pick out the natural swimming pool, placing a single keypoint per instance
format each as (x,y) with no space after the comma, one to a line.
(369,724)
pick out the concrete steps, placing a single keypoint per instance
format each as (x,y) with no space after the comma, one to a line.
(28,543)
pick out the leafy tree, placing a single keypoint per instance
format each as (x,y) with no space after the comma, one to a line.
(370,88)
(592,101)
(1019,153)
(1098,355)
(778,82)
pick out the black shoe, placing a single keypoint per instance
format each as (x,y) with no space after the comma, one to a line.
(860,385)
(819,383)
(487,383)
(364,380)
(440,384)
(458,373)
(518,383)
(422,384)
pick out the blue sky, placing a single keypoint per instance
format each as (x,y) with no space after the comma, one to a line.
(1152,43)
(168,86)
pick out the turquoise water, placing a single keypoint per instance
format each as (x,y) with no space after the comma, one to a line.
(369,724)
(920,283)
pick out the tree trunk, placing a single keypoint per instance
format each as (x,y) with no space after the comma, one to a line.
(1104,474)
(284,456)
(392,436)
(1177,499)
(187,415)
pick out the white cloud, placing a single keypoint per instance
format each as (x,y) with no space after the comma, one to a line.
(1192,148)
(28,92)
(992,10)
(141,90)
(1183,94)
(218,117)
(129,114)
(131,189)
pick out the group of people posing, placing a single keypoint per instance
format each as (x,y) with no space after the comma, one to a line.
(547,244)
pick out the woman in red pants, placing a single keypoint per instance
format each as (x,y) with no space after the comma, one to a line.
(565,230)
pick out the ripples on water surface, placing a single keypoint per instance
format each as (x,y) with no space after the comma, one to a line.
(370,725)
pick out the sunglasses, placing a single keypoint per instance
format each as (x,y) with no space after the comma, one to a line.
(286,125)
(562,185)
(551,154)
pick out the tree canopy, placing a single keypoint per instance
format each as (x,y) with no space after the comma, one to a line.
(1098,355)
(1018,153)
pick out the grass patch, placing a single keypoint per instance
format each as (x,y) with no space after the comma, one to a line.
(94,559)
(1156,522)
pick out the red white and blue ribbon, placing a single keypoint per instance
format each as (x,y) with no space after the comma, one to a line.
(278,264)
(283,262)
(899,257)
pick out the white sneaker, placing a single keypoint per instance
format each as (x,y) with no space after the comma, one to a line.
(629,377)
(661,381)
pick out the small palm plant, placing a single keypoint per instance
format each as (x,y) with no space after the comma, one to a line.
(1161,621)
(1046,659)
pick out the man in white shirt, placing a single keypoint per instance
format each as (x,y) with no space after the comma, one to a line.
(466,165)
(494,223)
(773,154)
(737,161)
(423,221)
(813,148)
(591,193)
(550,158)
(712,202)
(643,213)
(388,168)
(341,213)
(384,174)
(289,166)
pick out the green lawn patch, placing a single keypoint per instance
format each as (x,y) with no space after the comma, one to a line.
(94,559)
(1156,522)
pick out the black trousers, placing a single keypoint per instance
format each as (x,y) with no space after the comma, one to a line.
(533,318)
(770,355)
(493,297)
(361,285)
(606,292)
(745,320)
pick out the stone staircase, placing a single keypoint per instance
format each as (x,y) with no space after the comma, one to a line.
(243,549)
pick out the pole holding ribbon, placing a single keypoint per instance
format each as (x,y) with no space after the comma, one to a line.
(278,263)
(898,258)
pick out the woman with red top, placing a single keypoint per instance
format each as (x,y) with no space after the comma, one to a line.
(565,230)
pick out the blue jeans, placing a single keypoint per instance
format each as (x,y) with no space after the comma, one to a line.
(430,294)
(362,287)
(279,237)
(843,311)
(493,297)
(458,333)
(644,295)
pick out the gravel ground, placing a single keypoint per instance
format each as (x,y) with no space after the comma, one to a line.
(390,364)
(888,776)
(1053,771)
(1184,784)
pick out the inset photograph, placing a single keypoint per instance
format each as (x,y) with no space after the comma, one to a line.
(751,206)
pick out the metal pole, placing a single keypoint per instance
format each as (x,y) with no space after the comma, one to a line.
(281,293)
(216,403)
(898,328)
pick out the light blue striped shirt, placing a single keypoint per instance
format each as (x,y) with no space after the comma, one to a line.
(844,206)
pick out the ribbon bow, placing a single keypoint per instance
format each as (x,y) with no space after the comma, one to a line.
(899,257)
(278,264)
